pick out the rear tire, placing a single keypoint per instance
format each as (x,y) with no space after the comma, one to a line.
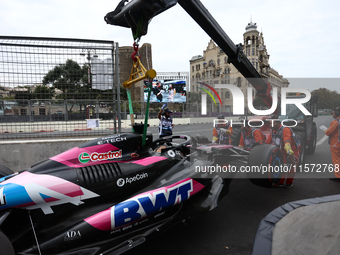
(235,138)
(199,139)
(4,171)
(266,155)
(302,154)
(6,245)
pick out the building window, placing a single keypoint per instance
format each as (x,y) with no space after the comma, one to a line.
(225,60)
(227,94)
(211,63)
(193,68)
(239,82)
(23,111)
(42,111)
(253,50)
(218,61)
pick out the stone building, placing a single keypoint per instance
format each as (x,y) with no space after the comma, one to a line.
(213,68)
(125,66)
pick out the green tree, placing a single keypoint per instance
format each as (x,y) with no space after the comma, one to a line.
(327,99)
(43,92)
(7,98)
(194,99)
(123,94)
(107,95)
(70,78)
(23,96)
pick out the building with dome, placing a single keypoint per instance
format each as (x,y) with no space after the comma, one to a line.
(213,68)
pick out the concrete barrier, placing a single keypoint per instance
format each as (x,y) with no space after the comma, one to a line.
(30,127)
(21,154)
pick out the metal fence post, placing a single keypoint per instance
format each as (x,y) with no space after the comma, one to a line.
(118,87)
(29,110)
(125,114)
(66,112)
(97,109)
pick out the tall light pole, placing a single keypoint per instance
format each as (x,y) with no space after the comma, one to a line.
(83,53)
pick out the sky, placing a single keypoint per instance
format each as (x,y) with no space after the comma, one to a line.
(302,37)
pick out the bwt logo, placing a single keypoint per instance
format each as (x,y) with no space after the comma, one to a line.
(238,100)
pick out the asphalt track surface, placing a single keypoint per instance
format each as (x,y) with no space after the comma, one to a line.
(231,227)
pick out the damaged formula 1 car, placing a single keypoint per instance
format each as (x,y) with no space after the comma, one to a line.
(111,194)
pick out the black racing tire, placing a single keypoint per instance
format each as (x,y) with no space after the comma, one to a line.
(263,156)
(312,144)
(4,171)
(236,136)
(199,139)
(302,154)
(6,245)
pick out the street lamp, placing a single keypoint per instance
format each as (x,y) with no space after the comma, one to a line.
(89,52)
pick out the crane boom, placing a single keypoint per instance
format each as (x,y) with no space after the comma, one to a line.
(136,14)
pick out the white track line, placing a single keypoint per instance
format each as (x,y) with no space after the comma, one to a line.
(322,140)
